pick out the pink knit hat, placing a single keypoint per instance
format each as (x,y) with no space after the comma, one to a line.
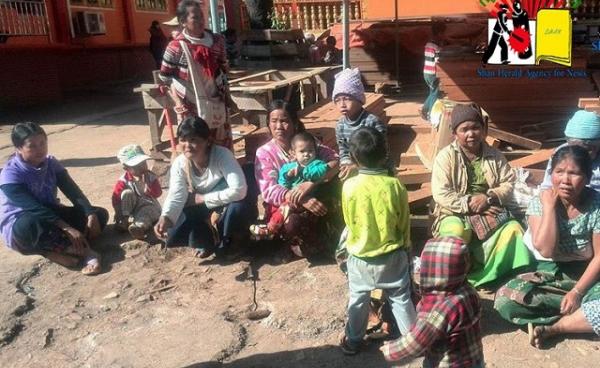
(348,82)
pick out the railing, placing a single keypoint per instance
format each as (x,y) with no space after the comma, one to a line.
(589,9)
(313,14)
(23,18)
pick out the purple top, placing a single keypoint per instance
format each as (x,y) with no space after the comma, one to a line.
(39,181)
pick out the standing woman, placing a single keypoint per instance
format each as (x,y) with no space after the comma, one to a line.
(194,65)
(32,221)
(471,183)
(564,237)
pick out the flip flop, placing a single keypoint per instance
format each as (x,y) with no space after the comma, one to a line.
(530,332)
(92,266)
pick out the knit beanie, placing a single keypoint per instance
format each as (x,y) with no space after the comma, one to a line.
(583,125)
(348,82)
(462,113)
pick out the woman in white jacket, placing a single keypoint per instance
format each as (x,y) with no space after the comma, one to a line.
(208,206)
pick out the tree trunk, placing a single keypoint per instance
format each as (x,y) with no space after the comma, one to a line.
(259,11)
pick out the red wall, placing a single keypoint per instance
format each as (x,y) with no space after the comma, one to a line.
(45,75)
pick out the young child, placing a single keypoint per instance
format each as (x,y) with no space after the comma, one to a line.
(332,54)
(305,167)
(447,329)
(375,208)
(432,51)
(349,97)
(135,193)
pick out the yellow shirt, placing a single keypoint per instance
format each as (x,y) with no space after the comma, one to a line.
(376,213)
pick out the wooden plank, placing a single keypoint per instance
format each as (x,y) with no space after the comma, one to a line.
(514,139)
(414,176)
(420,221)
(533,159)
(418,197)
(424,155)
(493,142)
(253,76)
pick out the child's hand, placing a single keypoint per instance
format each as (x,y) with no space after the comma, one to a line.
(347,171)
(292,173)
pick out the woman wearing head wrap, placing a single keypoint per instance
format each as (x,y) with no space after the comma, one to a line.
(564,238)
(583,129)
(471,183)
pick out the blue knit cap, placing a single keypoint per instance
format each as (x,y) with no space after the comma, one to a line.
(583,125)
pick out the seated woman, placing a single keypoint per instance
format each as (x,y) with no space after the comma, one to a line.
(32,221)
(209,205)
(314,224)
(471,183)
(583,129)
(564,237)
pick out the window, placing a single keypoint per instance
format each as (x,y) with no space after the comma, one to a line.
(93,3)
(151,5)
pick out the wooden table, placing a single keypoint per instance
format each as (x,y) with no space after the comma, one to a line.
(254,93)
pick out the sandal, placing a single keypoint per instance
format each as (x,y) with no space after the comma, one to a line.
(92,266)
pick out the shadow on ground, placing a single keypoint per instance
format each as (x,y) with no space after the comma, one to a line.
(89,162)
(323,356)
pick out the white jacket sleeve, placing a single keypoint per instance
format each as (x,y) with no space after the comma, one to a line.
(234,176)
(178,191)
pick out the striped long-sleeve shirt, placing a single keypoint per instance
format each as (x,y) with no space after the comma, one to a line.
(431,57)
(345,127)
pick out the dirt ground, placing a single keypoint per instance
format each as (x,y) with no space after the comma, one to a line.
(164,308)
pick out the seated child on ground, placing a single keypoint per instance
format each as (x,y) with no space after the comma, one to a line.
(305,167)
(375,208)
(447,329)
(349,97)
(135,193)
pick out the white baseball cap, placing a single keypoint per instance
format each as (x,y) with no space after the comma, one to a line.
(132,155)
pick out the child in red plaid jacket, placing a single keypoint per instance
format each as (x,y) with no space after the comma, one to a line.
(447,330)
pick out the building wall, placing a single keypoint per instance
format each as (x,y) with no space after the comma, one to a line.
(43,69)
(384,9)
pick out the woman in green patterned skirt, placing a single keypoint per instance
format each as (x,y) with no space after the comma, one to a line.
(564,237)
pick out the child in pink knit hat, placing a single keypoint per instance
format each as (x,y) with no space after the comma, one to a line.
(349,97)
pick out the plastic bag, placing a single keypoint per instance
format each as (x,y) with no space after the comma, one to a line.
(522,194)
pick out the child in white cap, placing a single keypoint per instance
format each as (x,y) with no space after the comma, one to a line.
(349,97)
(135,193)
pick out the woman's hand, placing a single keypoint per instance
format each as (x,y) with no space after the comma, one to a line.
(162,226)
(92,228)
(315,207)
(296,195)
(478,203)
(198,198)
(549,197)
(347,171)
(493,211)
(78,241)
(570,302)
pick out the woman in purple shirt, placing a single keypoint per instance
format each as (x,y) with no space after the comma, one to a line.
(32,221)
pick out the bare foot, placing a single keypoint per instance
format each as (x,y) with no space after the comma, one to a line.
(62,259)
(538,334)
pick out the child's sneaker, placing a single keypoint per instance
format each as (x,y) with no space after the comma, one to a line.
(347,347)
(137,231)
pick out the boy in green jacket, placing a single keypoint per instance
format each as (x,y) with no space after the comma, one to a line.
(375,208)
